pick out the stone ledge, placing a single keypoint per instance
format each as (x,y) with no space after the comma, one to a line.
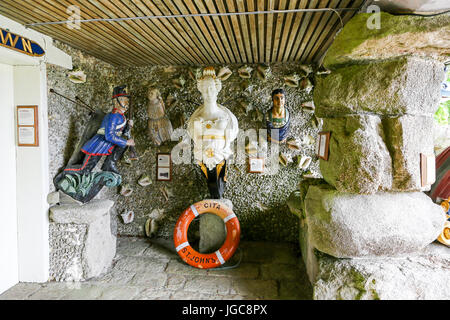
(84,214)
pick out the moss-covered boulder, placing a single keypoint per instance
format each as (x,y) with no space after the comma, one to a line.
(397,36)
(421,276)
(359,161)
(405,85)
(385,224)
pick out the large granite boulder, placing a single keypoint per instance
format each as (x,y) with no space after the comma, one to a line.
(421,276)
(359,161)
(384,224)
(397,36)
(406,138)
(93,246)
(406,85)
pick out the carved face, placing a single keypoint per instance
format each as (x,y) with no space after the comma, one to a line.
(279,100)
(153,94)
(209,88)
(123,105)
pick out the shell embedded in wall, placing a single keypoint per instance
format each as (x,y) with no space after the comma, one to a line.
(169,69)
(224,73)
(293,144)
(126,190)
(309,174)
(243,107)
(127,217)
(262,71)
(306,68)
(316,122)
(194,73)
(309,139)
(178,82)
(283,159)
(245,72)
(171,101)
(151,227)
(303,162)
(322,71)
(77,76)
(144,180)
(292,80)
(306,84)
(308,106)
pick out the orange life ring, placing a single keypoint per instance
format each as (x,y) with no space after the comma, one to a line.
(212,260)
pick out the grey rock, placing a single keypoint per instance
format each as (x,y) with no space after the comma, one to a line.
(396,36)
(97,243)
(53,198)
(406,85)
(359,161)
(385,224)
(421,276)
(406,138)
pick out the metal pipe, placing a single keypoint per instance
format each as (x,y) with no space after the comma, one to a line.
(219,14)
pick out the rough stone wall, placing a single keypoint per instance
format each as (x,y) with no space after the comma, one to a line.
(259,200)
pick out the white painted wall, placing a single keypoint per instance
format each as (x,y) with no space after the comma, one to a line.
(30,88)
(9,275)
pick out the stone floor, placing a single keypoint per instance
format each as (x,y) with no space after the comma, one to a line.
(146,270)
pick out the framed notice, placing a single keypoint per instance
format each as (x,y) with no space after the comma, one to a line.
(27,126)
(256,165)
(427,169)
(323,145)
(164,167)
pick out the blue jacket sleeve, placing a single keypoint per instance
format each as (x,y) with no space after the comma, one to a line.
(110,131)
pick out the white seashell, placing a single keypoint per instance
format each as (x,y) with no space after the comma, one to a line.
(306,68)
(151,227)
(245,72)
(293,144)
(156,214)
(194,73)
(306,85)
(144,180)
(283,159)
(77,76)
(292,80)
(251,148)
(304,162)
(309,174)
(224,73)
(126,190)
(308,139)
(179,82)
(308,106)
(322,70)
(169,69)
(262,71)
(127,217)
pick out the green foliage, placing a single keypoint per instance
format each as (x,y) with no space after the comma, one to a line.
(442,115)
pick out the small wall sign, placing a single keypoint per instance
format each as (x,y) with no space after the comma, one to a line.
(256,165)
(27,126)
(427,169)
(164,167)
(323,145)
(18,43)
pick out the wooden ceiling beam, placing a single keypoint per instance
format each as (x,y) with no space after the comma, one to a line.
(311,29)
(236,30)
(58,32)
(269,24)
(245,31)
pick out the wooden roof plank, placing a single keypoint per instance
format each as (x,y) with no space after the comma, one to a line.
(134,28)
(223,26)
(245,30)
(209,31)
(298,37)
(288,39)
(321,51)
(261,30)
(58,32)
(280,27)
(169,8)
(237,31)
(326,26)
(163,39)
(269,24)
(311,29)
(102,30)
(253,30)
(173,28)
